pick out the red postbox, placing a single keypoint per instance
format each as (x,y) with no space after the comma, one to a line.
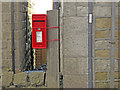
(39,31)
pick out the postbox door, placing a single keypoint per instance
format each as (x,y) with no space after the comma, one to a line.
(39,32)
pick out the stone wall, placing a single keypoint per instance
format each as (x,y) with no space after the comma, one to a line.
(22,36)
(102,46)
(22,41)
(23,80)
(75,48)
(19,35)
(75,45)
(6,36)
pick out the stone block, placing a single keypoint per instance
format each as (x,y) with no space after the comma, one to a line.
(19,7)
(12,87)
(82,11)
(75,66)
(52,19)
(117,65)
(117,84)
(4,44)
(0,7)
(7,64)
(79,3)
(102,11)
(103,23)
(101,34)
(36,78)
(102,44)
(117,53)
(4,68)
(19,16)
(6,17)
(117,75)
(102,65)
(17,58)
(6,7)
(3,53)
(116,12)
(70,66)
(69,9)
(102,85)
(19,25)
(17,35)
(116,33)
(6,52)
(6,36)
(19,55)
(6,78)
(75,37)
(102,53)
(117,43)
(75,81)
(101,76)
(20,79)
(6,27)
(22,46)
(117,21)
(102,4)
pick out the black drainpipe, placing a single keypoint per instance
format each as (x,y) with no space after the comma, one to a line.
(90,62)
(57,5)
(12,35)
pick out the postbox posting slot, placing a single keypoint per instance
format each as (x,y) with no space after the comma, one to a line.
(38,20)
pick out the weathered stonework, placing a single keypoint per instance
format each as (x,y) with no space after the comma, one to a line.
(103,47)
(36,78)
(102,23)
(101,76)
(7,78)
(102,53)
(102,85)
(20,79)
(75,45)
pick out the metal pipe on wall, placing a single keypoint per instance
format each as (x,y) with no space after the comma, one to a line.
(90,62)
(57,5)
(61,37)
(12,36)
(112,63)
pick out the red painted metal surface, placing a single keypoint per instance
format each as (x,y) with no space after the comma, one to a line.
(39,31)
